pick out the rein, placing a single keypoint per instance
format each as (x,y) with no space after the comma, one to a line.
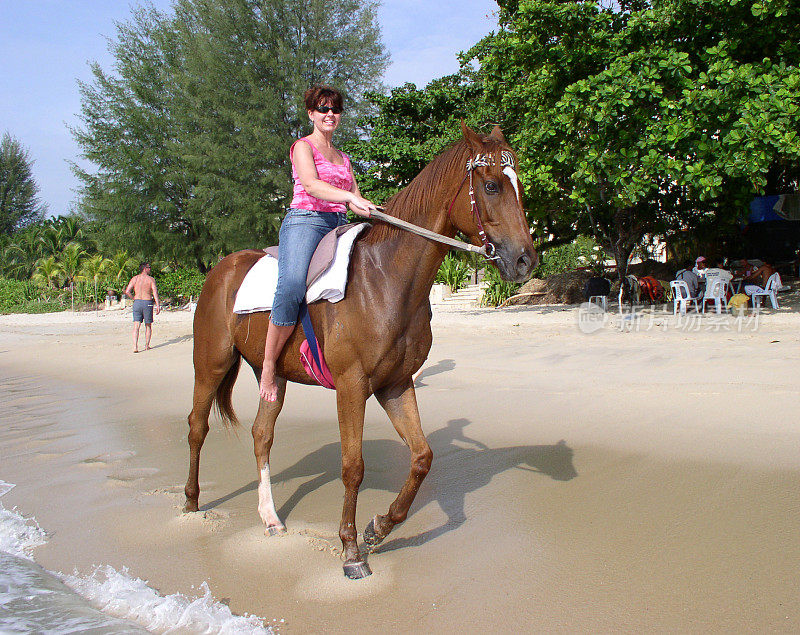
(427,233)
(488,250)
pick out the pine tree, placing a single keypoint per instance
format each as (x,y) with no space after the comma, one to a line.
(19,202)
(191,133)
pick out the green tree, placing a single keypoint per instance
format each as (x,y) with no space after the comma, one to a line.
(48,272)
(93,268)
(71,262)
(22,251)
(646,120)
(120,268)
(190,135)
(19,202)
(409,127)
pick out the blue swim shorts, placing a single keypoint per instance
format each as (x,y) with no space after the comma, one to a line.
(143,311)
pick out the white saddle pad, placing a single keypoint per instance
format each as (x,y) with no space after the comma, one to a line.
(258,287)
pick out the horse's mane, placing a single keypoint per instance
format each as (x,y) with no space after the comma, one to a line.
(434,187)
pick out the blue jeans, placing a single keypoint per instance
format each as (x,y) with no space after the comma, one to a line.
(300,234)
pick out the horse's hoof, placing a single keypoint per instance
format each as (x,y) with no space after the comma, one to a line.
(371,537)
(356,570)
(276,530)
(190,506)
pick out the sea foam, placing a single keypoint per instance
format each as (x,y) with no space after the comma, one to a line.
(18,536)
(122,595)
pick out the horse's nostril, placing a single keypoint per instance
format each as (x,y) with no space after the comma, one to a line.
(524,263)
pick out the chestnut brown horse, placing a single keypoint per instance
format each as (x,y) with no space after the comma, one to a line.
(377,337)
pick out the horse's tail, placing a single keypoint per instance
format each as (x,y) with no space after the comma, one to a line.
(222,398)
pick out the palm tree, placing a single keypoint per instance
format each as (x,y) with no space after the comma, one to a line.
(52,240)
(71,228)
(21,254)
(48,272)
(71,263)
(92,269)
(121,267)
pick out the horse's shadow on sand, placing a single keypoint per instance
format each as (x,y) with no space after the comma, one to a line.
(461,465)
(174,340)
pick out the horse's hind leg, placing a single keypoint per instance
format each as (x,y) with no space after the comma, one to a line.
(263,435)
(206,384)
(198,429)
(400,403)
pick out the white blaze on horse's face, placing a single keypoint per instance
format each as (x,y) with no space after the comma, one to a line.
(512,176)
(507,163)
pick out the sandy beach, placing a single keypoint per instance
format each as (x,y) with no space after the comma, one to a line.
(644,478)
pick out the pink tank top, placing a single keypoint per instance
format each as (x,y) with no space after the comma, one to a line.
(340,176)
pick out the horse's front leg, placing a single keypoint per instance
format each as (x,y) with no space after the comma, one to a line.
(400,403)
(351,402)
(263,436)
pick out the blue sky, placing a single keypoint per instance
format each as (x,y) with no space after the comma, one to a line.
(45,47)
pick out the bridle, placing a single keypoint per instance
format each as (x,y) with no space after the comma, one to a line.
(488,250)
(483,160)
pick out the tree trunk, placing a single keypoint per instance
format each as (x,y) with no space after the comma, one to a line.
(622,255)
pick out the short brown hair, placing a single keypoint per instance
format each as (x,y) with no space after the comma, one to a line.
(143,266)
(316,95)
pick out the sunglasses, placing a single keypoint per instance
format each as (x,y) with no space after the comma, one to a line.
(326,109)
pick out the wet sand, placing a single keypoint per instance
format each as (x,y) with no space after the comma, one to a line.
(625,481)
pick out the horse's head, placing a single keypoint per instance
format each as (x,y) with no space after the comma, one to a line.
(497,209)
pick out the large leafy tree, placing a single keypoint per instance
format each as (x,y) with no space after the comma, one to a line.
(190,134)
(19,201)
(411,126)
(646,118)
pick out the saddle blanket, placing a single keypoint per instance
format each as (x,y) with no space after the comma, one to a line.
(258,287)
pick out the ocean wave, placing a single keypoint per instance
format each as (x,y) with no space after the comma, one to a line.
(122,595)
(18,535)
(115,593)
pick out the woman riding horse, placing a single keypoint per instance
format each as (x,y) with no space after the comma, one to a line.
(376,337)
(323,184)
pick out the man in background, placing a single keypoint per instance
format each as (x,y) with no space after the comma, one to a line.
(145,295)
(691,279)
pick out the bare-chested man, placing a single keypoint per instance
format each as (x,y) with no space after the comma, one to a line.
(760,275)
(144,295)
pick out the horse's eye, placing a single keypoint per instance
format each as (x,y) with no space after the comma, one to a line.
(491,187)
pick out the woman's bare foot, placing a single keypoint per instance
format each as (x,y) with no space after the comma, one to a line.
(267,387)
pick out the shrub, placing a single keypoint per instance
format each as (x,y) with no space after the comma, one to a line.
(453,272)
(35,306)
(14,293)
(563,258)
(180,283)
(498,290)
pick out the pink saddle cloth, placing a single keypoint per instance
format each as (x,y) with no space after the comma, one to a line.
(321,375)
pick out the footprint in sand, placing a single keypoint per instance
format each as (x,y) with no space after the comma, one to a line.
(319,538)
(109,457)
(132,474)
(210,520)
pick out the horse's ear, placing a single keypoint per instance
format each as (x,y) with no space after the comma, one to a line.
(497,134)
(471,136)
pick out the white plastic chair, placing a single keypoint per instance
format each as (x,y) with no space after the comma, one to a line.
(770,291)
(716,292)
(682,297)
(599,300)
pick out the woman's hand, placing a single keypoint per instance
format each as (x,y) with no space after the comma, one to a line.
(361,206)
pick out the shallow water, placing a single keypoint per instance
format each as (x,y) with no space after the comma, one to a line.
(33,600)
